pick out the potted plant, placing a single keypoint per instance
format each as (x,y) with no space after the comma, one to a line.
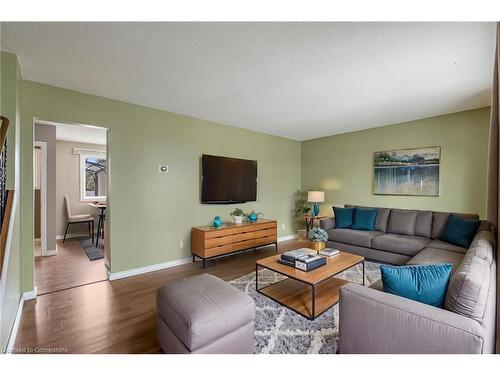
(301,208)
(237,215)
(318,237)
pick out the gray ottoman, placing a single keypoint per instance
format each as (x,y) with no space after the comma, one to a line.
(203,314)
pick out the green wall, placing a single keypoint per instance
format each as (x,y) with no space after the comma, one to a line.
(11,274)
(342,165)
(150,213)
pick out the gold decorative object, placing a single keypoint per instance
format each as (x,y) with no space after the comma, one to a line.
(318,245)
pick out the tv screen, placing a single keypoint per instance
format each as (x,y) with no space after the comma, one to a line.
(228,180)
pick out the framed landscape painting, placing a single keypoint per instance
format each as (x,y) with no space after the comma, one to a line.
(407,172)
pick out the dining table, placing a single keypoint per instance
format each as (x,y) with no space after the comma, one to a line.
(102,216)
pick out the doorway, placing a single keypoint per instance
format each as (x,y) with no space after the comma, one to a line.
(71,177)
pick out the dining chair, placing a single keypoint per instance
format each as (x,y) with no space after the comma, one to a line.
(100,228)
(78,219)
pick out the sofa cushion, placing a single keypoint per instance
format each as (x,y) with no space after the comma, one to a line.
(364,218)
(423,224)
(485,225)
(468,290)
(377,285)
(200,309)
(430,255)
(483,245)
(402,222)
(352,236)
(438,244)
(459,231)
(399,243)
(441,218)
(382,217)
(327,223)
(423,283)
(343,217)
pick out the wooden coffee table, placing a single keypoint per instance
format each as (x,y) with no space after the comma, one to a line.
(311,293)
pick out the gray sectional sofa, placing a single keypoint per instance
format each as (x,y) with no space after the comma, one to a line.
(372,321)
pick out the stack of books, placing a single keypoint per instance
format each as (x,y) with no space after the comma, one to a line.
(303,259)
(328,252)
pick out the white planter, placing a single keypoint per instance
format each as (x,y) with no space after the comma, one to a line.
(238,219)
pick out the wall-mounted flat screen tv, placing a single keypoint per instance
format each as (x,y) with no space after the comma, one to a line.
(228,180)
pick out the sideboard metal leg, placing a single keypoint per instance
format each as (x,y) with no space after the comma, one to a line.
(204,262)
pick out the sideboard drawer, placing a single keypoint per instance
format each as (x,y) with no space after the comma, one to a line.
(219,250)
(243,245)
(265,225)
(265,233)
(265,240)
(243,237)
(218,241)
(222,232)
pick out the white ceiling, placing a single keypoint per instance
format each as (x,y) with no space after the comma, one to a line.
(78,133)
(296,80)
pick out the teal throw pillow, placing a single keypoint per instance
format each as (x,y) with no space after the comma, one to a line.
(343,217)
(424,283)
(459,231)
(364,218)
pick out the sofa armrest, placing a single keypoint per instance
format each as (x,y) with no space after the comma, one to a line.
(328,223)
(372,321)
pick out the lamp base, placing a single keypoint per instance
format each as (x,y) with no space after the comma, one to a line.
(315,209)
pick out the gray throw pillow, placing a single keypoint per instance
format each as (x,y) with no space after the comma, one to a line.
(402,222)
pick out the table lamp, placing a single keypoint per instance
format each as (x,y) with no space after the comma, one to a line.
(315,197)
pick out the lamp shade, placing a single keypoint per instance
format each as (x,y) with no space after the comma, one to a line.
(315,196)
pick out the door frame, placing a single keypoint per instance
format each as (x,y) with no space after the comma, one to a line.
(43,193)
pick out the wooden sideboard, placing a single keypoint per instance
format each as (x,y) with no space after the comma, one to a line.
(208,242)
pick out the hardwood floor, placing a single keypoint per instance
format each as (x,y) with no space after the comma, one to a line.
(118,316)
(70,267)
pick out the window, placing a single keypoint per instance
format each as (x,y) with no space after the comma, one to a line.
(93,177)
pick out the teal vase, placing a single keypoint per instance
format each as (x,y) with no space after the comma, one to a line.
(252,217)
(217,222)
(315,209)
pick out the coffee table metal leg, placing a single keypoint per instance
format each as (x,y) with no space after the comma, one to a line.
(363,272)
(313,302)
(257,277)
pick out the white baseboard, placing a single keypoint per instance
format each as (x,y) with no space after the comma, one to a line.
(15,327)
(160,266)
(287,238)
(73,235)
(30,295)
(51,252)
(26,296)
(154,267)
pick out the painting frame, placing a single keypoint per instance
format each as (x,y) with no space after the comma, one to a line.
(431,188)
